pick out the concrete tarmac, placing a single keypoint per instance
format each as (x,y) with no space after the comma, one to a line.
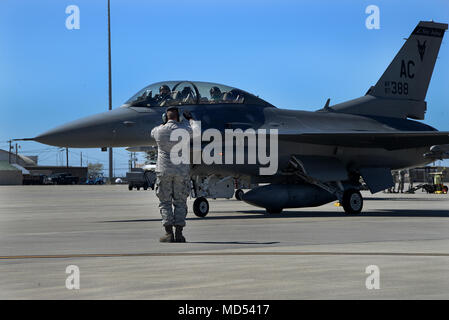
(236,252)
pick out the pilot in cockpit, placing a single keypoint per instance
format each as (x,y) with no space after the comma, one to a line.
(187,96)
(163,96)
(233,96)
(215,95)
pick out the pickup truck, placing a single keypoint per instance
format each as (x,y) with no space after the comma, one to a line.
(61,178)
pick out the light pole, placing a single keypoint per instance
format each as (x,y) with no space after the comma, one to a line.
(111,172)
(9,153)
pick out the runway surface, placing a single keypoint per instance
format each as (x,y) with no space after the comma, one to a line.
(236,252)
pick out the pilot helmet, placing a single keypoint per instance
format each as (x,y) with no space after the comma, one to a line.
(186,90)
(164,89)
(215,92)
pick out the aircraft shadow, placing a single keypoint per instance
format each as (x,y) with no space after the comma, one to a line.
(233,242)
(261,214)
(401,199)
(330,214)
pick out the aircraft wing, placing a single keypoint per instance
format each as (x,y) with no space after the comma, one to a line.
(364,139)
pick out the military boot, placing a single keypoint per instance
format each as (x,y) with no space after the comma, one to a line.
(178,234)
(168,237)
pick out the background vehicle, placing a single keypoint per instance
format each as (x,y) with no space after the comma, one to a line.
(144,177)
(95,180)
(61,178)
(33,179)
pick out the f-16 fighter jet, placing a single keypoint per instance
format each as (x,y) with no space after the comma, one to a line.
(303,158)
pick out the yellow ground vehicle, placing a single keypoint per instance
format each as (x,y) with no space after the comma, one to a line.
(438,186)
(433,178)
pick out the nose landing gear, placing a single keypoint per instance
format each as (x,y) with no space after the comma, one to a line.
(201,207)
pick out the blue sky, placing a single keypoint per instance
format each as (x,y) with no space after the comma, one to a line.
(294,54)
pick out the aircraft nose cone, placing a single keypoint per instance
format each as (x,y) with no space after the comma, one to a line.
(86,132)
(90,132)
(74,137)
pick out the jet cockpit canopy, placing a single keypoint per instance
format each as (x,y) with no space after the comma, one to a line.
(175,93)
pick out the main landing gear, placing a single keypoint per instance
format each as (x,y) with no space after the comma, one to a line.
(239,194)
(352,201)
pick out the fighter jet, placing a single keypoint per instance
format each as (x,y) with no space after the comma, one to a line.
(323,156)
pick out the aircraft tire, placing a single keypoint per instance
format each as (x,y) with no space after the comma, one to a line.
(239,194)
(130,187)
(201,207)
(352,202)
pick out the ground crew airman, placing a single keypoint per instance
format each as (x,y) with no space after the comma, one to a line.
(401,181)
(173,180)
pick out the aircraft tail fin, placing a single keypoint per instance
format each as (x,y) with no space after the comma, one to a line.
(408,75)
(401,90)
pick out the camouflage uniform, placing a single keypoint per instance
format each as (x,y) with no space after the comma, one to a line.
(401,181)
(173,189)
(173,180)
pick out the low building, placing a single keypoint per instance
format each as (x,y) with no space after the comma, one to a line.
(21,160)
(10,175)
(19,169)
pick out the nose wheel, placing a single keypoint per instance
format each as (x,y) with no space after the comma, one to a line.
(352,202)
(201,207)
